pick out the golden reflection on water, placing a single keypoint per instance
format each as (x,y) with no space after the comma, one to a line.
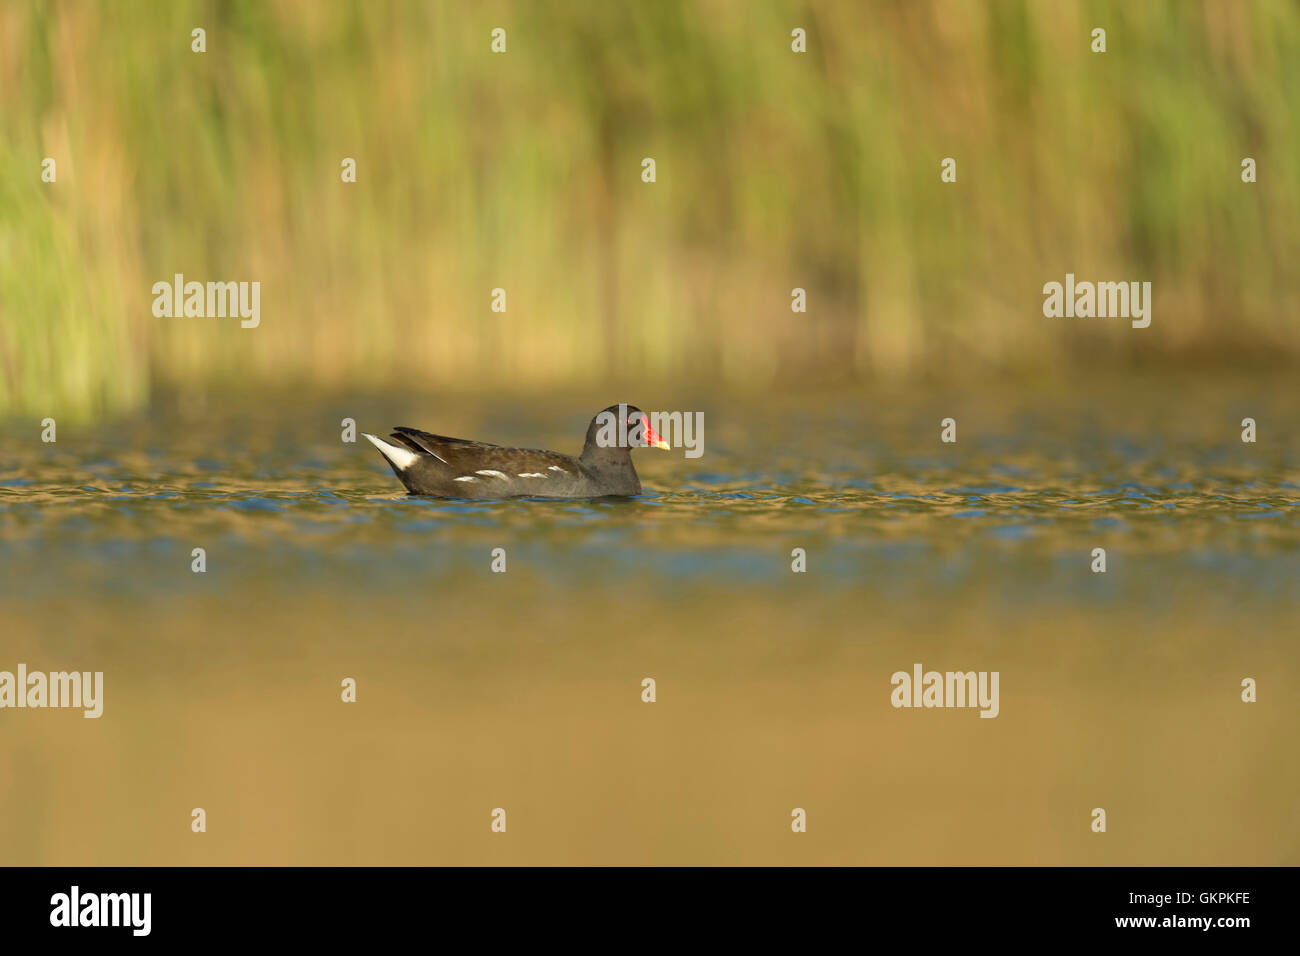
(764,704)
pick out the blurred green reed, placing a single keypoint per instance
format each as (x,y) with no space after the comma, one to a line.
(522,171)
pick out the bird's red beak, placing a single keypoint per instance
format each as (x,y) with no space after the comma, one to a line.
(652,437)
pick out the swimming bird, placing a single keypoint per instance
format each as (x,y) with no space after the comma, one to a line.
(430,464)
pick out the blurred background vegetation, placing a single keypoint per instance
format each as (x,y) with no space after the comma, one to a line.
(523,171)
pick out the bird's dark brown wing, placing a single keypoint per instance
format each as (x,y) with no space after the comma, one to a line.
(464,457)
(441,447)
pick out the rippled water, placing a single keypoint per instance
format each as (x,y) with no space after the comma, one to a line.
(481,689)
(860,493)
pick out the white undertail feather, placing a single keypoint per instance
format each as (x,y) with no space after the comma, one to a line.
(402,458)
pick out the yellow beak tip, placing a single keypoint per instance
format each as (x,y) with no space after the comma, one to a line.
(664,445)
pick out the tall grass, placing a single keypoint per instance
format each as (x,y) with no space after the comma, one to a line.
(522,171)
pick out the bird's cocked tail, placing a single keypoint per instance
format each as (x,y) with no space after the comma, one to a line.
(399,459)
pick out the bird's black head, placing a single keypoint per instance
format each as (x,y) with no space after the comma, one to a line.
(616,430)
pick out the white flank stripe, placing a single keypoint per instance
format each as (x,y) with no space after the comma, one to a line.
(488,472)
(467,478)
(403,458)
(531,474)
(557,468)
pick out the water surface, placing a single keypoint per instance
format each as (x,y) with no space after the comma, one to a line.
(522,689)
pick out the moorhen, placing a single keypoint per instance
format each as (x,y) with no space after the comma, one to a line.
(456,468)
